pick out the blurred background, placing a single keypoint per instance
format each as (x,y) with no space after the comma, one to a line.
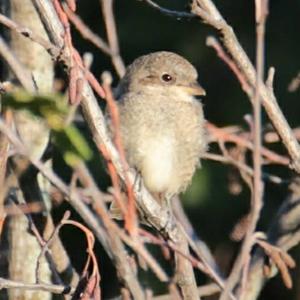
(218,198)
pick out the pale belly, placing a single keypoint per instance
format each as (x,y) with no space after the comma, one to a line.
(158,164)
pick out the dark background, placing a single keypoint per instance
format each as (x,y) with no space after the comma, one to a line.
(212,208)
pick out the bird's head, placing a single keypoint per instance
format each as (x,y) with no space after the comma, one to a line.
(164,71)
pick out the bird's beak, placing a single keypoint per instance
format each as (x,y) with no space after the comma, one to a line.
(194,89)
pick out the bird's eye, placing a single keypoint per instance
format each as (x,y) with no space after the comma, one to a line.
(166,77)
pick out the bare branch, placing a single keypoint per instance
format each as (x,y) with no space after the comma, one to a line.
(52,288)
(113,246)
(86,31)
(203,291)
(206,10)
(111,30)
(283,233)
(26,32)
(169,12)
(23,75)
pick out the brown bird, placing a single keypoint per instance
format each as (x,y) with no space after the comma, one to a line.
(162,123)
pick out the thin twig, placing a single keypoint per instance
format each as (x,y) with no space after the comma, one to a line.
(52,288)
(256,201)
(261,12)
(220,134)
(45,247)
(169,12)
(130,215)
(86,32)
(203,291)
(23,75)
(243,167)
(283,233)
(26,32)
(213,42)
(92,288)
(294,84)
(282,260)
(111,31)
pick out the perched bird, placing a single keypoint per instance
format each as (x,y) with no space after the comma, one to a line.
(162,123)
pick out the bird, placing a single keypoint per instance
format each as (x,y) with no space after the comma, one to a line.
(162,124)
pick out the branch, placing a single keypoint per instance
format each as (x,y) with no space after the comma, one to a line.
(86,32)
(242,261)
(26,32)
(283,233)
(207,11)
(52,288)
(111,243)
(203,291)
(169,12)
(111,30)
(221,135)
(23,74)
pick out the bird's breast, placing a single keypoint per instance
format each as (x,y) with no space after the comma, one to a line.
(163,140)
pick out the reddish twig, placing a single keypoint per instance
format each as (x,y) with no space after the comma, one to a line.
(131,215)
(77,67)
(201,265)
(92,288)
(282,260)
(86,32)
(221,134)
(272,137)
(112,49)
(26,208)
(114,178)
(213,42)
(116,246)
(71,5)
(150,238)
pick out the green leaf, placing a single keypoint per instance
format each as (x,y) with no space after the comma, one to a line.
(54,109)
(51,107)
(72,144)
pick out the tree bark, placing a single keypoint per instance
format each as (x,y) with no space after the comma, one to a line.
(24,247)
